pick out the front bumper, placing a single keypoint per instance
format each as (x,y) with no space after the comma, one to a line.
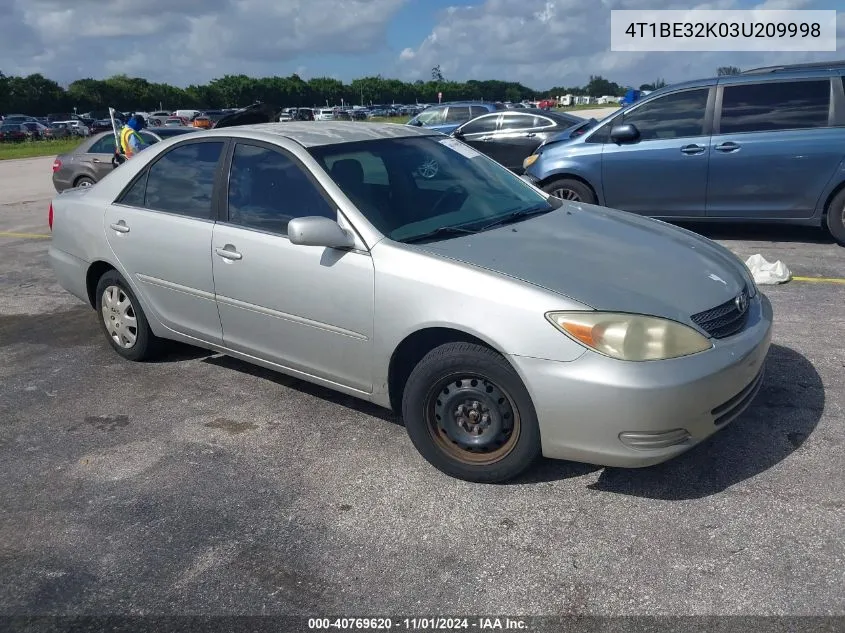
(632,414)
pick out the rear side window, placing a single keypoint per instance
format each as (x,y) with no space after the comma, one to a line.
(475,111)
(180,182)
(457,114)
(767,107)
(104,146)
(518,121)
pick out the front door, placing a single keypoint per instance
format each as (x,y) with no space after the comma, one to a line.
(774,151)
(516,139)
(160,231)
(307,308)
(664,173)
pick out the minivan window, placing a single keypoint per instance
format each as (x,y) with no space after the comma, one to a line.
(675,115)
(775,105)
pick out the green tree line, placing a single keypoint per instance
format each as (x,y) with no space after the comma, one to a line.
(37,95)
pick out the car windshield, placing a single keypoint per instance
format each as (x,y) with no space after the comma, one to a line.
(409,188)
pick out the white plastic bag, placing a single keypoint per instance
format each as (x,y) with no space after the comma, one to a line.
(767,273)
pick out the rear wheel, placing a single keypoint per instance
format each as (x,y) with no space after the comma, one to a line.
(123,319)
(83,181)
(571,189)
(469,415)
(836,218)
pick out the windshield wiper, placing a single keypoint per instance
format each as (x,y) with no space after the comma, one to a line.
(443,230)
(518,215)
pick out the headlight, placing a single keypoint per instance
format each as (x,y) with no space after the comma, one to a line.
(530,161)
(630,336)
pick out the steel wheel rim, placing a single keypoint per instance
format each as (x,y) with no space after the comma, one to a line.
(566,194)
(119,317)
(85,183)
(455,411)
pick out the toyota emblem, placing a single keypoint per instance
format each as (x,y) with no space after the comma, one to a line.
(741,302)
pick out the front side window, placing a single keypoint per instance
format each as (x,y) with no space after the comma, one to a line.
(518,122)
(433,116)
(182,180)
(267,189)
(676,115)
(481,124)
(767,107)
(433,184)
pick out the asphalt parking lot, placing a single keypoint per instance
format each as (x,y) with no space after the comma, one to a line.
(201,485)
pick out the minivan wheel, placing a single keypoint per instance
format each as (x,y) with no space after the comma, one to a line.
(836,218)
(571,189)
(469,415)
(123,320)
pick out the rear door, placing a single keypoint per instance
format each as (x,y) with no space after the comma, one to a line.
(97,160)
(160,231)
(775,147)
(517,137)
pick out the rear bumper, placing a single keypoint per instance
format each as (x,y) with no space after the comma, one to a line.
(70,272)
(614,413)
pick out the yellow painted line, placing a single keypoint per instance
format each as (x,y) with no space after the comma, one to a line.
(24,235)
(821,280)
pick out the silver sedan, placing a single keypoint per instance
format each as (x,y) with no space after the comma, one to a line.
(403,267)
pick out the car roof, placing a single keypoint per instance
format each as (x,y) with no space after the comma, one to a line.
(317,133)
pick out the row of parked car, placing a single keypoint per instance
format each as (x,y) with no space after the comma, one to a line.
(20,127)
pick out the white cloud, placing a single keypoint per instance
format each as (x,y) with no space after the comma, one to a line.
(544,43)
(186,41)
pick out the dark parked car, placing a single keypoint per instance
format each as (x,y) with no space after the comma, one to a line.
(103,125)
(92,159)
(446,117)
(12,133)
(767,145)
(510,136)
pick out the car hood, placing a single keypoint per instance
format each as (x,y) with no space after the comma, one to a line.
(609,260)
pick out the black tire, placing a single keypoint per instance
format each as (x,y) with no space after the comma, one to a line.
(475,377)
(836,218)
(83,181)
(146,345)
(575,190)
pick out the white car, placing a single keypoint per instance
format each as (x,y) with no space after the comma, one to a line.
(324,114)
(76,127)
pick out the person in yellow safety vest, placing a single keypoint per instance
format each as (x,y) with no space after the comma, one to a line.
(130,141)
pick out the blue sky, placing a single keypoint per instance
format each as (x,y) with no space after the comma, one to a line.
(542,43)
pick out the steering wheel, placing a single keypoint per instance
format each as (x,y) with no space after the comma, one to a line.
(450,191)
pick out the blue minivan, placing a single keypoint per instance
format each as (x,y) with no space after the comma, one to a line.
(766,145)
(447,117)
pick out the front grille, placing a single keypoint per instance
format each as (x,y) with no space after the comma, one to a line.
(723,320)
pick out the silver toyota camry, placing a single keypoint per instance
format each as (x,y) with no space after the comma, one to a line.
(401,266)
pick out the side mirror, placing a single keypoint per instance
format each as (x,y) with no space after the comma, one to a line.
(625,133)
(458,134)
(319,231)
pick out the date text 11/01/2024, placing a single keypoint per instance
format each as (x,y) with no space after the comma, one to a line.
(418,624)
(767,30)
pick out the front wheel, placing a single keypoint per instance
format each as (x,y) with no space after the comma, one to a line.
(469,415)
(836,218)
(571,189)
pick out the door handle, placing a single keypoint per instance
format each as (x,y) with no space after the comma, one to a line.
(96,160)
(485,138)
(120,227)
(530,135)
(228,252)
(692,149)
(728,146)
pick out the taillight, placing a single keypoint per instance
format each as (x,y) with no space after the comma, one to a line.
(50,216)
(57,165)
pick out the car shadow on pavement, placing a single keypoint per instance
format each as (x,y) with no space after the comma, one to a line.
(335,397)
(784,413)
(759,232)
